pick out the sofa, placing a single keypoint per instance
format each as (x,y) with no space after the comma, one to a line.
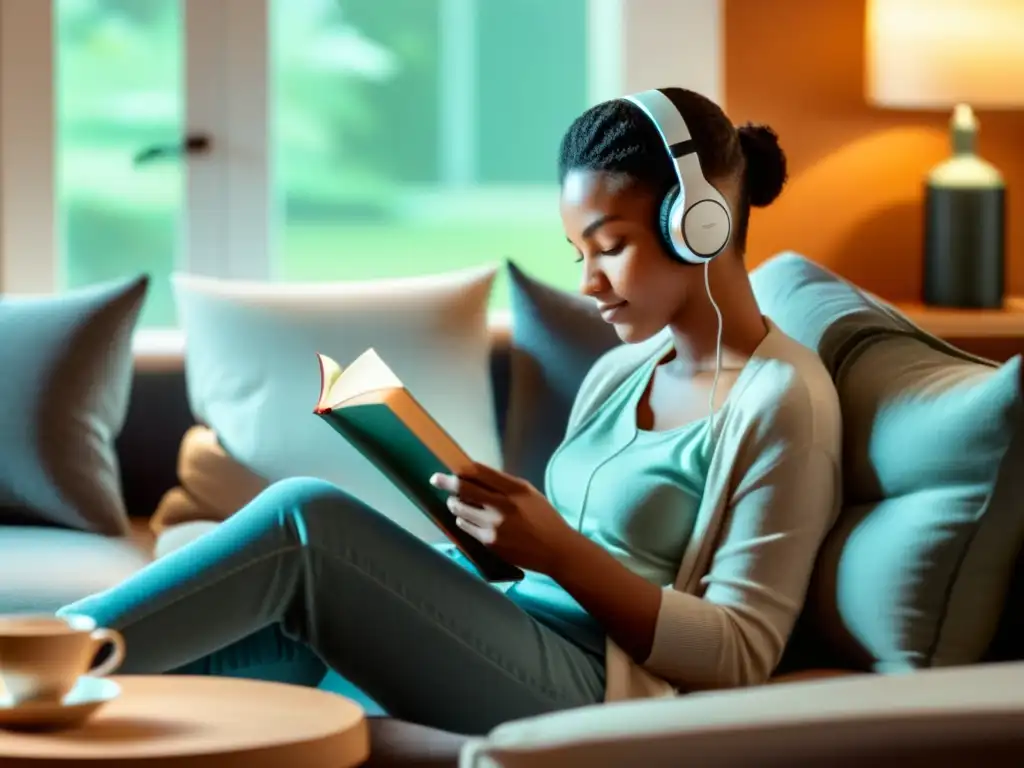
(822,706)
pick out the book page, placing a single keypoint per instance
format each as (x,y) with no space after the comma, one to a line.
(366,374)
(330,372)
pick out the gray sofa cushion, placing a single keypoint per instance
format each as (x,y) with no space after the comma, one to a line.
(67,368)
(915,574)
(941,717)
(42,569)
(556,337)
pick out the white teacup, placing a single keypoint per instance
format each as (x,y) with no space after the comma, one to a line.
(43,656)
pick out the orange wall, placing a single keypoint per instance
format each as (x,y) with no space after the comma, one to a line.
(853,199)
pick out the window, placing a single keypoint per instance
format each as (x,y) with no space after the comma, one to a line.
(347,138)
(420,135)
(118,78)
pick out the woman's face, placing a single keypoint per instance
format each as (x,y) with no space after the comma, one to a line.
(639,288)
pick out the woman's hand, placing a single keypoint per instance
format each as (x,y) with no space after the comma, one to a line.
(509,515)
(515,520)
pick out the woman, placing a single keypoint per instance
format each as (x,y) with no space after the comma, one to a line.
(662,558)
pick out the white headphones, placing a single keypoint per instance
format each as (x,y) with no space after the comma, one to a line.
(694,218)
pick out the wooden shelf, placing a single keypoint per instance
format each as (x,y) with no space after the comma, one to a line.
(1003,323)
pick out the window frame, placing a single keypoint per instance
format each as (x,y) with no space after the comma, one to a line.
(632,45)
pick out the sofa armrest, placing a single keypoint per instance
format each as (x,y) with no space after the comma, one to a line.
(859,719)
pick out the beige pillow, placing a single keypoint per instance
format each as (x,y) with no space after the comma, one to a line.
(215,479)
(213,485)
(253,378)
(177,507)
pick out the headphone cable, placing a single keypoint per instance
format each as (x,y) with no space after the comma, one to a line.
(718,347)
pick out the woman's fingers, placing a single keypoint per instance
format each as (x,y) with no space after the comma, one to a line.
(469,491)
(484,535)
(484,517)
(448,483)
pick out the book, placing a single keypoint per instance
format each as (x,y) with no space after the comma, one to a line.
(367,404)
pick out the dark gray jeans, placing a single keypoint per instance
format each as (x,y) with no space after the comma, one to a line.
(306,576)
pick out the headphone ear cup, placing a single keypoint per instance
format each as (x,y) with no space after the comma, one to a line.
(665,220)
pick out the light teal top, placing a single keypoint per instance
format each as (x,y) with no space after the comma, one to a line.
(634,492)
(772,493)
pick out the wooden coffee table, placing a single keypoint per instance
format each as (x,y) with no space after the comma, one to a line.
(203,722)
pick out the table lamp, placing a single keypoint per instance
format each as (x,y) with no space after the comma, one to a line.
(959,55)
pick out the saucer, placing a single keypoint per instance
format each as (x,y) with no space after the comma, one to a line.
(88,695)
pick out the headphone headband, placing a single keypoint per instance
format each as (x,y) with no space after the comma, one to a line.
(661,111)
(695,219)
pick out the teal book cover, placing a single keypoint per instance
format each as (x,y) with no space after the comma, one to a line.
(370,408)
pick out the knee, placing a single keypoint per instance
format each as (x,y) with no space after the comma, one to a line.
(301,494)
(302,502)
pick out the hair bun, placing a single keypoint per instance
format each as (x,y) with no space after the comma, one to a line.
(765,173)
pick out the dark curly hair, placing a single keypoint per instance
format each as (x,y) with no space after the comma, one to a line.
(616,137)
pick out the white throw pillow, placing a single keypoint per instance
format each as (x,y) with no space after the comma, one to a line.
(253,377)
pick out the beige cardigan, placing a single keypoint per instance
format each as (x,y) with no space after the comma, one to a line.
(772,494)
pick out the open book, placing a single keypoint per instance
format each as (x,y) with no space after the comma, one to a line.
(368,405)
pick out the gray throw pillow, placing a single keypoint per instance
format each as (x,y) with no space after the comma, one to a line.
(916,572)
(556,337)
(67,374)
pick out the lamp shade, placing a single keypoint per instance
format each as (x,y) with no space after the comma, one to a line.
(933,54)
